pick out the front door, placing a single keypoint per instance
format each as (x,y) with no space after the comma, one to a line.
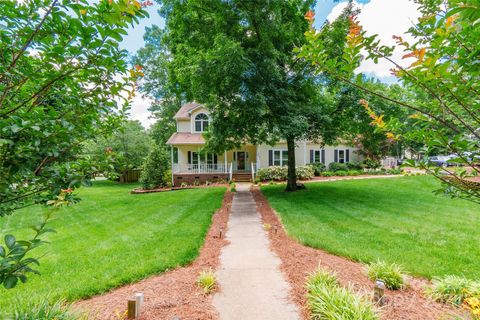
(240,160)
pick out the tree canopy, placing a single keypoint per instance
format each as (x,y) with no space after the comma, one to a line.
(442,81)
(62,79)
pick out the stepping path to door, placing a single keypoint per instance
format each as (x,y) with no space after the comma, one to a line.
(252,285)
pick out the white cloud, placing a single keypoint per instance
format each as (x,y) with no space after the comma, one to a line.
(139,110)
(385,18)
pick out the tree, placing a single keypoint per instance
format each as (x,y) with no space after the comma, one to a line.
(168,99)
(155,171)
(61,74)
(125,148)
(239,63)
(442,78)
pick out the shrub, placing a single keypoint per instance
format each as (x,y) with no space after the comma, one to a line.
(274,173)
(390,273)
(327,300)
(371,164)
(341,173)
(277,173)
(394,171)
(207,281)
(318,168)
(44,310)
(327,174)
(305,173)
(337,166)
(233,187)
(155,169)
(453,289)
(354,165)
(354,172)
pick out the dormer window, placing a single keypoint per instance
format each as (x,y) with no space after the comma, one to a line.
(201,122)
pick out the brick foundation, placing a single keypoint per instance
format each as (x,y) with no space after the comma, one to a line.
(202,178)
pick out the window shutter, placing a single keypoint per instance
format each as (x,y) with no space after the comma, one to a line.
(270,157)
(234,156)
(347,155)
(215,158)
(335,155)
(323,156)
(311,156)
(189,157)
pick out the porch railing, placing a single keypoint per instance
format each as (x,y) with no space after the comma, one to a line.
(200,168)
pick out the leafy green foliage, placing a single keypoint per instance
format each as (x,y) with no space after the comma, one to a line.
(328,301)
(207,281)
(124,148)
(440,81)
(44,310)
(337,166)
(14,265)
(158,231)
(453,289)
(277,173)
(318,168)
(387,218)
(155,172)
(392,274)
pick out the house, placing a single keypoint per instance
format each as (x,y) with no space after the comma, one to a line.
(189,164)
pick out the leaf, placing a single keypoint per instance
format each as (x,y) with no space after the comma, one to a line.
(2,252)
(10,282)
(10,241)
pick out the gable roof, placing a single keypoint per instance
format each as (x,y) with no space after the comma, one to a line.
(186,110)
(186,138)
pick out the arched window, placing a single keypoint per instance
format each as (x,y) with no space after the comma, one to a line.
(201,122)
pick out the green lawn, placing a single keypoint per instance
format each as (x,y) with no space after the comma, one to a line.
(111,238)
(397,220)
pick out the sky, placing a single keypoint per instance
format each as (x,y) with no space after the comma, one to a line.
(383,17)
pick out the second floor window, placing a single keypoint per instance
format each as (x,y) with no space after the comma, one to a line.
(201,122)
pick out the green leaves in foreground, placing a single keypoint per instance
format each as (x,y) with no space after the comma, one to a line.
(327,300)
(14,263)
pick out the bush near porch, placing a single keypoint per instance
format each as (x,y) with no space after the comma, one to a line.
(112,238)
(277,173)
(394,220)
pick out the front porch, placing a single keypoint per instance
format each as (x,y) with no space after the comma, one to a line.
(191,165)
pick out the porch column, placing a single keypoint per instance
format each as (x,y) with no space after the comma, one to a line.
(171,156)
(225,161)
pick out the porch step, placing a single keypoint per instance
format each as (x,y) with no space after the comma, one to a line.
(242,177)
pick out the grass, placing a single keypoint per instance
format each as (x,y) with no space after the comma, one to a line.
(112,238)
(329,301)
(394,220)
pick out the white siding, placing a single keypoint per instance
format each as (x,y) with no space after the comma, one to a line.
(183,126)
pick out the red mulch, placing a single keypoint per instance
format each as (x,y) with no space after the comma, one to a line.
(142,191)
(173,293)
(298,261)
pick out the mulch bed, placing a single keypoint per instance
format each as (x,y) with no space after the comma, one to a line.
(298,261)
(173,293)
(142,191)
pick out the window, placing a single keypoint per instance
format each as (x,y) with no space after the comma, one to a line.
(280,157)
(195,158)
(201,122)
(341,156)
(211,158)
(317,156)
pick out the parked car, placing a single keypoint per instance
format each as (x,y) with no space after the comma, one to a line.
(440,161)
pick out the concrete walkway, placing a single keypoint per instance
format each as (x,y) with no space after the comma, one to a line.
(252,286)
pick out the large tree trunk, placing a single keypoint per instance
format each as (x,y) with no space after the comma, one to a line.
(292,176)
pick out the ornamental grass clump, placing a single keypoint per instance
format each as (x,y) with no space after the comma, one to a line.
(207,281)
(453,289)
(328,301)
(45,310)
(391,274)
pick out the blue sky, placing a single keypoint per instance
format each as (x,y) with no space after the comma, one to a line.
(134,40)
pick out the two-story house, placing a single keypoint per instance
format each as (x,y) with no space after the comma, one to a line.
(189,164)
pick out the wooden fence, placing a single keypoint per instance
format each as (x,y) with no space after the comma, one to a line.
(131,175)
